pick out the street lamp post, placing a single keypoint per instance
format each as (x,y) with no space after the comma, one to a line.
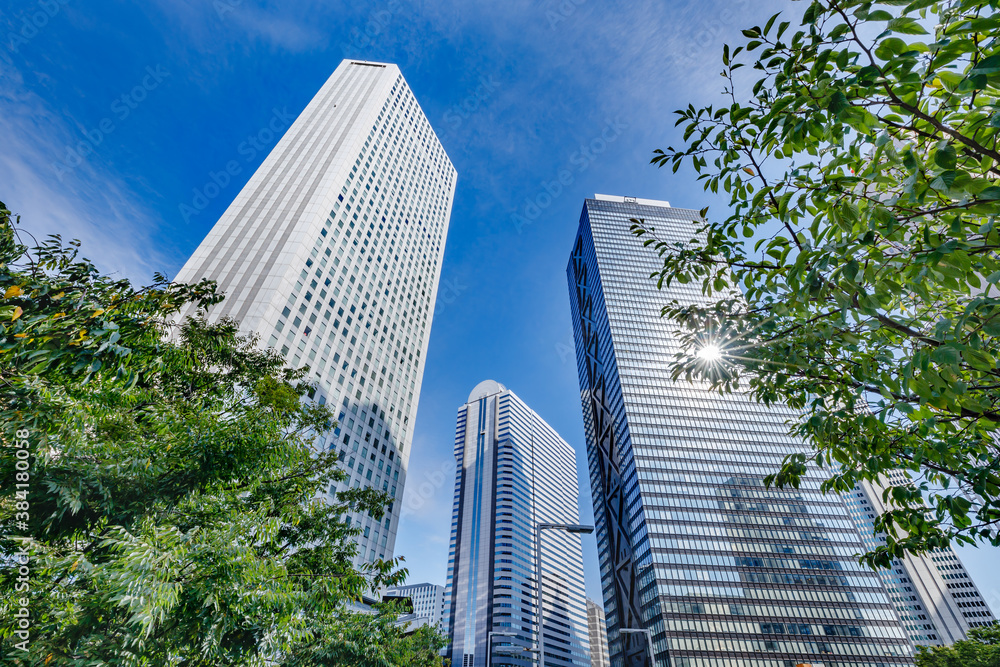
(649,640)
(574,528)
(489,643)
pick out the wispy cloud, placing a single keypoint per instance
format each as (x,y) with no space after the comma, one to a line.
(91,203)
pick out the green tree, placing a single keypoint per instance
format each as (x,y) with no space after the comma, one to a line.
(981,649)
(163,490)
(855,276)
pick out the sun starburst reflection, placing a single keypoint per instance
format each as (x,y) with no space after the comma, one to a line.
(710,353)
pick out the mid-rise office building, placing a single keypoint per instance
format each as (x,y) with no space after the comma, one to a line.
(598,635)
(427,599)
(693,547)
(936,599)
(514,472)
(331,254)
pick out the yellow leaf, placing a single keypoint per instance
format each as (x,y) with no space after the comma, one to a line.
(99,311)
(56,297)
(74,565)
(48,658)
(17,313)
(13,291)
(58,315)
(749,171)
(21,335)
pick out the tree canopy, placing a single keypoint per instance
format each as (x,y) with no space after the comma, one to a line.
(163,502)
(855,275)
(981,649)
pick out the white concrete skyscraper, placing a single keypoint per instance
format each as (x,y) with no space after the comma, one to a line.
(936,599)
(598,635)
(331,254)
(514,473)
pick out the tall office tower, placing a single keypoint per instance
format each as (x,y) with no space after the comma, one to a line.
(428,600)
(514,472)
(721,570)
(331,254)
(598,635)
(934,595)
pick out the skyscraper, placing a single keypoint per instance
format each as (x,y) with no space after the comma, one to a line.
(936,599)
(428,600)
(721,570)
(598,635)
(331,254)
(514,472)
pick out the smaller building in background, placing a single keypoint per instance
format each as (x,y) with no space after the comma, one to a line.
(514,473)
(428,601)
(934,596)
(598,635)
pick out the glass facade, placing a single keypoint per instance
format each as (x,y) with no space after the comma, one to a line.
(723,571)
(514,471)
(331,254)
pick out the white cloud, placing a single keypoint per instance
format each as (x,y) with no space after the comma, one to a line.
(90,202)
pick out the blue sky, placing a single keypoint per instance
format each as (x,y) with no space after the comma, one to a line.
(114,116)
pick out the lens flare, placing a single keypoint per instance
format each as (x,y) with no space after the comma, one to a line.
(710,353)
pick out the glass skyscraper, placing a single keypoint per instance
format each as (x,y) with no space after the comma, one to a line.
(721,570)
(514,472)
(331,254)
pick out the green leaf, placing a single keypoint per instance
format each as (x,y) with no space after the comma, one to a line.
(907,26)
(990,65)
(838,102)
(946,157)
(944,180)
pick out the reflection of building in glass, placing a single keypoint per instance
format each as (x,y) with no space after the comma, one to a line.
(514,471)
(934,595)
(692,546)
(598,635)
(331,255)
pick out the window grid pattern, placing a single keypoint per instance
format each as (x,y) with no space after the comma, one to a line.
(514,471)
(331,254)
(729,572)
(427,599)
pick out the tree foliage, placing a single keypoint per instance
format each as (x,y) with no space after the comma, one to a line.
(173,509)
(855,277)
(981,649)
